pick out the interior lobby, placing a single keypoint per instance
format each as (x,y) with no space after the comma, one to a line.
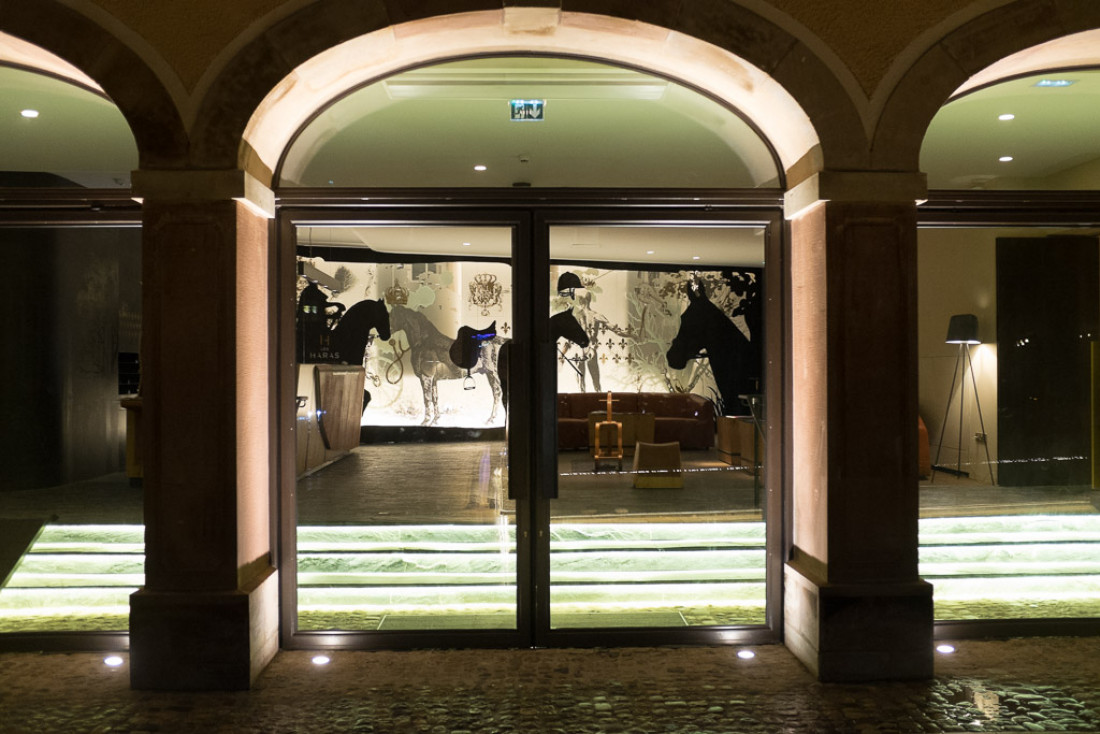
(393,325)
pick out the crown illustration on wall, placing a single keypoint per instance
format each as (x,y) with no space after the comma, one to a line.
(397,295)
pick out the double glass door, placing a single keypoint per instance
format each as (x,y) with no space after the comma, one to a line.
(532,428)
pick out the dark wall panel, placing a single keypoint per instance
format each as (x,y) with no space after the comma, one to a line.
(1048,291)
(72,302)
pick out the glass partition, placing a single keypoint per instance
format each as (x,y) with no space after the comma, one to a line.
(1009,323)
(71,520)
(404,521)
(659,515)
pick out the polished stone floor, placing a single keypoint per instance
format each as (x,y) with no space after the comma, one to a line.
(465,482)
(432,483)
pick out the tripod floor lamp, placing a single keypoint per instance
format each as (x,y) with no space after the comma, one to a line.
(962,330)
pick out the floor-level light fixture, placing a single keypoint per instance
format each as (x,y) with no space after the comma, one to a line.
(963,331)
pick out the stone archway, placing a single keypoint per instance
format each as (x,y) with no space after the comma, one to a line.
(731,53)
(1000,43)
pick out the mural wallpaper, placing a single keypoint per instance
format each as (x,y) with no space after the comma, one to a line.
(433,337)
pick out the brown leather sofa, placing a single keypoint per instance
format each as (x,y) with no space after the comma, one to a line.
(683,417)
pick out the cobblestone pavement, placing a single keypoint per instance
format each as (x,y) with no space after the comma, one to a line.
(1038,684)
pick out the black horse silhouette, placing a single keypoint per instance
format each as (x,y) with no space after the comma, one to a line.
(345,342)
(705,331)
(564,325)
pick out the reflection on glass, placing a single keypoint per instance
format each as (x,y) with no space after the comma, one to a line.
(404,522)
(659,519)
(1010,513)
(71,520)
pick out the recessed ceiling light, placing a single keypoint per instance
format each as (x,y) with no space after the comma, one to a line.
(1054,82)
(29,113)
(746,654)
(480,167)
(321,660)
(694,257)
(112,661)
(1005,158)
(465,244)
(1006,117)
(649,252)
(945,649)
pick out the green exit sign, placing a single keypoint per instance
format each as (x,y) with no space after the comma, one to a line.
(527,110)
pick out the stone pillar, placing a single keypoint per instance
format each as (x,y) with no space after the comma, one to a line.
(854,606)
(207,617)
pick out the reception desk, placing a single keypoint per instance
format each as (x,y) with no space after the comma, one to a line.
(330,409)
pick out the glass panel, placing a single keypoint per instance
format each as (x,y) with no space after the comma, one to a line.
(55,133)
(529,122)
(1010,514)
(403,517)
(71,521)
(1034,132)
(659,517)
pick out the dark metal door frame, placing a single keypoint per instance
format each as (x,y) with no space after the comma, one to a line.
(531,442)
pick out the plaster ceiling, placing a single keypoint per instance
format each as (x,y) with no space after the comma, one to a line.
(78,137)
(1051,137)
(604,126)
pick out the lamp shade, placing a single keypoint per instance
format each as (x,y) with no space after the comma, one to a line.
(963,329)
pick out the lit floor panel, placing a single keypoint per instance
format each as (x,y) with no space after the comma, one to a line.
(80,577)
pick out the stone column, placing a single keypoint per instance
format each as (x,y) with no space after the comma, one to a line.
(207,617)
(854,605)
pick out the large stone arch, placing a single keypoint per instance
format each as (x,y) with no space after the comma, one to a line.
(960,55)
(818,125)
(116,68)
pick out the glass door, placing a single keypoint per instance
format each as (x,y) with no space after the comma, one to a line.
(658,334)
(518,428)
(401,491)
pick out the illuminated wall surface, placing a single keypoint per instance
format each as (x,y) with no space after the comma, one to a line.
(630,316)
(80,577)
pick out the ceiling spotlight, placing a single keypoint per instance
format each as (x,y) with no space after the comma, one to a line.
(649,252)
(1006,117)
(112,661)
(945,649)
(321,660)
(1005,158)
(480,167)
(465,244)
(695,257)
(30,114)
(746,654)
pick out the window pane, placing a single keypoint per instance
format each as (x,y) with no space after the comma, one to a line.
(1010,517)
(403,516)
(659,518)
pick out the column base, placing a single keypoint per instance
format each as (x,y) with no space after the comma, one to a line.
(198,641)
(848,633)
